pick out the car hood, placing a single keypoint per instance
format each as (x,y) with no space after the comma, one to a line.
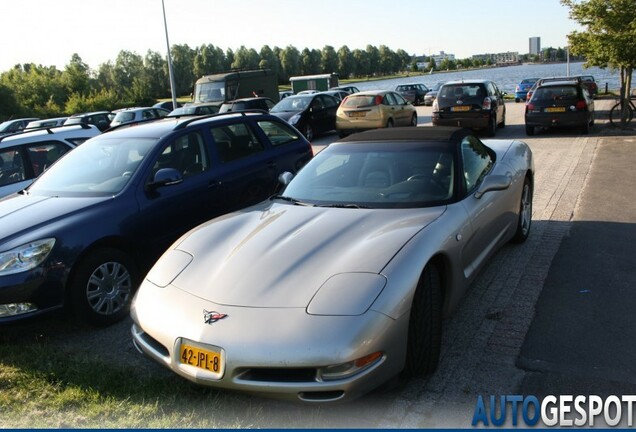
(22,213)
(279,255)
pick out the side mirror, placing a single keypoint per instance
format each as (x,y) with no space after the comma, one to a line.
(493,183)
(166,177)
(285,178)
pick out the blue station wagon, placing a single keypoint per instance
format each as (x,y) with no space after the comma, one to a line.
(83,233)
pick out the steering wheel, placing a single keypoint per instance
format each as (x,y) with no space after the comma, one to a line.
(442,190)
(127,174)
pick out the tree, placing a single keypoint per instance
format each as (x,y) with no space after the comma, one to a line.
(345,62)
(290,62)
(608,38)
(76,76)
(329,59)
(183,68)
(361,63)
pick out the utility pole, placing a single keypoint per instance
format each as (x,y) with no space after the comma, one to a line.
(170,71)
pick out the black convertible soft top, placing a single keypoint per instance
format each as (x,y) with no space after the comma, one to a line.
(424,133)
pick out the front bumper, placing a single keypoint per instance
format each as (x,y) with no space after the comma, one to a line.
(274,352)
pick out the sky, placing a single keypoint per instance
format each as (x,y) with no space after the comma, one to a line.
(49,32)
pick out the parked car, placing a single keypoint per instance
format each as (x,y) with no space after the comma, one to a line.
(15,125)
(137,114)
(167,105)
(476,104)
(52,122)
(429,97)
(348,88)
(549,79)
(374,109)
(25,155)
(283,94)
(338,94)
(312,114)
(262,103)
(413,93)
(87,229)
(307,92)
(195,109)
(521,90)
(590,83)
(101,119)
(560,103)
(341,282)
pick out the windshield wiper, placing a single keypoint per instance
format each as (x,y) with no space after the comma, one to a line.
(290,199)
(347,205)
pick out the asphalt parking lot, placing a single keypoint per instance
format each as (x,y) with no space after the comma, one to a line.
(551,316)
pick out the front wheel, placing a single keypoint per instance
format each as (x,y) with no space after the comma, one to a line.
(414,120)
(389,124)
(308,131)
(524,221)
(102,286)
(425,325)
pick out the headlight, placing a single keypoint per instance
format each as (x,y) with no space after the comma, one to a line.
(347,294)
(25,257)
(169,266)
(345,370)
(294,119)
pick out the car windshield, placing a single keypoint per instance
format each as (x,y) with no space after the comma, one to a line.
(101,166)
(376,175)
(292,103)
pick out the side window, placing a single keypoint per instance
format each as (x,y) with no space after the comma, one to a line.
(11,166)
(186,153)
(42,155)
(477,162)
(235,141)
(389,99)
(330,102)
(399,99)
(278,133)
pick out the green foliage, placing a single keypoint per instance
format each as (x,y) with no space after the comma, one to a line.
(609,36)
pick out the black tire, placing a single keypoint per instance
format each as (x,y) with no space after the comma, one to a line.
(414,120)
(517,100)
(102,286)
(492,127)
(524,223)
(308,132)
(529,130)
(389,124)
(342,134)
(585,129)
(425,326)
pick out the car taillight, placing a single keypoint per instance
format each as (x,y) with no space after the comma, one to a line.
(486,104)
(378,100)
(581,105)
(435,105)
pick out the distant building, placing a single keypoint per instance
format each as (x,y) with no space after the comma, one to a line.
(535,46)
(505,58)
(438,58)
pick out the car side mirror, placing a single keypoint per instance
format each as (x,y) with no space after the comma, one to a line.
(166,177)
(285,178)
(493,183)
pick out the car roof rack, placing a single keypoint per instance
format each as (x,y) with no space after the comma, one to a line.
(207,116)
(48,129)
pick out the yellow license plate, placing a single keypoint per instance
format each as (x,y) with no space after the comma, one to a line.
(201,358)
(555,109)
(460,108)
(357,114)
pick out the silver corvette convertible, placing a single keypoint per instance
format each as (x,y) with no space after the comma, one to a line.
(339,283)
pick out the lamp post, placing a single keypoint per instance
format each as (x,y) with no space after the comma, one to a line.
(170,71)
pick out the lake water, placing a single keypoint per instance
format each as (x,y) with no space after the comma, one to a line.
(505,77)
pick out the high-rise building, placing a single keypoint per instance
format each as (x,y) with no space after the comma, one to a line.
(535,45)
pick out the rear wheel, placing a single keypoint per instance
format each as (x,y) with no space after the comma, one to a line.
(425,325)
(529,130)
(525,213)
(414,120)
(389,124)
(102,286)
(492,126)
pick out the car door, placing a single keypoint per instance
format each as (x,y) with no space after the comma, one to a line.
(486,213)
(166,212)
(318,114)
(402,113)
(498,99)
